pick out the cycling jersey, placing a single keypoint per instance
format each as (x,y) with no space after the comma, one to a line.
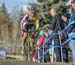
(26,19)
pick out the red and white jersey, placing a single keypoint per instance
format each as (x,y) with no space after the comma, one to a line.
(23,21)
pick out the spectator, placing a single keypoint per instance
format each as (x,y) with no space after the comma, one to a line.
(56,26)
(41,41)
(71,30)
(64,37)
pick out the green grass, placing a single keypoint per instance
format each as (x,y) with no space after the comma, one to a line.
(16,62)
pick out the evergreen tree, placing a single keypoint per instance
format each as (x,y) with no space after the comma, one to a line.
(44,6)
(4,17)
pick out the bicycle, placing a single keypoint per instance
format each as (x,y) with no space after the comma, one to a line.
(29,45)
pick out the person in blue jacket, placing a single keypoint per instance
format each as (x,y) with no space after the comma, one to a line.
(71,30)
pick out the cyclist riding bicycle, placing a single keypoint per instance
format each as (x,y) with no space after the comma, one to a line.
(29,21)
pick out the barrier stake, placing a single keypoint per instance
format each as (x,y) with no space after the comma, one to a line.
(52,50)
(61,47)
(43,52)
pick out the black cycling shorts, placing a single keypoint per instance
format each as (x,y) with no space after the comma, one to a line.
(29,27)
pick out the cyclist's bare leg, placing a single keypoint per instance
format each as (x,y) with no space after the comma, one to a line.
(24,36)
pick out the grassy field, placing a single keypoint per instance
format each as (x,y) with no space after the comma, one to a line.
(17,62)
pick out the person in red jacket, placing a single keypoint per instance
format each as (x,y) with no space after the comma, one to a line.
(41,40)
(38,47)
